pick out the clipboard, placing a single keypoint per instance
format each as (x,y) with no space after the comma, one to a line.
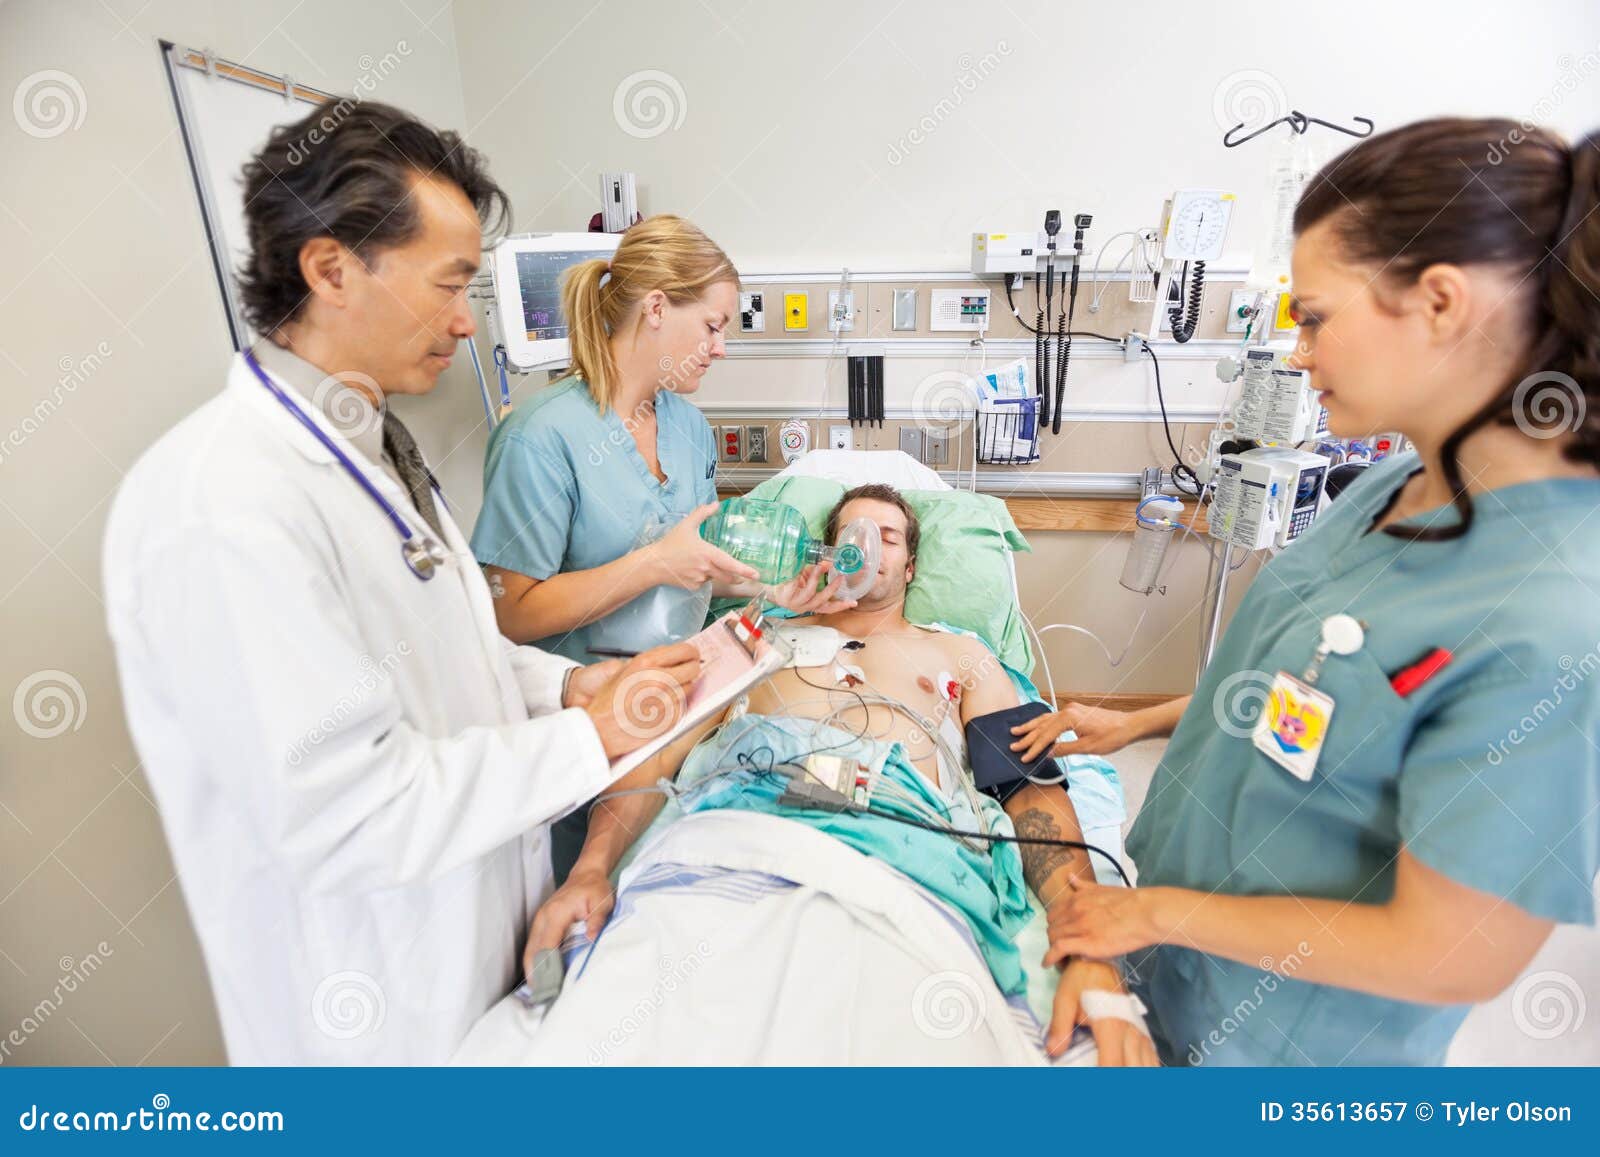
(736,652)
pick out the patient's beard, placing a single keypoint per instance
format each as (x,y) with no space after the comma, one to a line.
(888,593)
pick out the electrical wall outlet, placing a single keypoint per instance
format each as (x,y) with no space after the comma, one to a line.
(755,443)
(732,443)
(841,310)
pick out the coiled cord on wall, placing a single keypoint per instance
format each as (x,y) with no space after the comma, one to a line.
(1183,327)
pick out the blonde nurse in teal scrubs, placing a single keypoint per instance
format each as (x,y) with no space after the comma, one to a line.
(1419,805)
(594,489)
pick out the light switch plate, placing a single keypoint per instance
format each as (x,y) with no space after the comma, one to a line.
(905,309)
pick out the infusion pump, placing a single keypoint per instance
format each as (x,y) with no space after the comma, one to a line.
(1266,496)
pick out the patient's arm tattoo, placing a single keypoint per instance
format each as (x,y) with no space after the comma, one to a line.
(1040,861)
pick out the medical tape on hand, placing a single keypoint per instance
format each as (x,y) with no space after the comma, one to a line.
(1098,1004)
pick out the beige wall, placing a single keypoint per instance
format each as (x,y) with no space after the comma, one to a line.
(103,244)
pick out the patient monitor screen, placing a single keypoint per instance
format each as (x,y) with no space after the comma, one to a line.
(539,279)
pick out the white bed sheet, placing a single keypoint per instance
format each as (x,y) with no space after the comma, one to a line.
(746,939)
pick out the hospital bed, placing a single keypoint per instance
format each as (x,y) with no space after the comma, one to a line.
(746,938)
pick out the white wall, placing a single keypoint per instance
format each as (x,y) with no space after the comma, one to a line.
(792,119)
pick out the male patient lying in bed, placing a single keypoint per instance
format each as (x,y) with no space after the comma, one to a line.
(938,681)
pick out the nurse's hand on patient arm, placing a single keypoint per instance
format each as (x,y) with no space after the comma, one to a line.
(1099,730)
(1119,1042)
(1434,941)
(1101,921)
(681,558)
(645,698)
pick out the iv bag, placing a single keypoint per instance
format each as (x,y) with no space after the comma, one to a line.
(1293,162)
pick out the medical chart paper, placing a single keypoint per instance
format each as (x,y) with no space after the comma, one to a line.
(727,670)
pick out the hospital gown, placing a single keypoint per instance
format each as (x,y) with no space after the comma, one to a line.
(985,886)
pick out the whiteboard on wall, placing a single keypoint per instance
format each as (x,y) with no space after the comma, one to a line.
(226,111)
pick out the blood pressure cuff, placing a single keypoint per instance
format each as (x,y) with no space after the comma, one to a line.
(997,770)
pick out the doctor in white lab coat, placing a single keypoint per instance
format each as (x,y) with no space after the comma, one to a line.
(354,769)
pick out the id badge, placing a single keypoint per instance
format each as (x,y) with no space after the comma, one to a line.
(1293,725)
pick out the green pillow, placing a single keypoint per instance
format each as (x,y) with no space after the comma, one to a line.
(963,576)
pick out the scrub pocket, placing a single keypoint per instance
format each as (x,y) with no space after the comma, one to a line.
(1335,834)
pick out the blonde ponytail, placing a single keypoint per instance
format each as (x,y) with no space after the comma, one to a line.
(663,252)
(587,328)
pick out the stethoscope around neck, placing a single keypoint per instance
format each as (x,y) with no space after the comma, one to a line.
(423,555)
